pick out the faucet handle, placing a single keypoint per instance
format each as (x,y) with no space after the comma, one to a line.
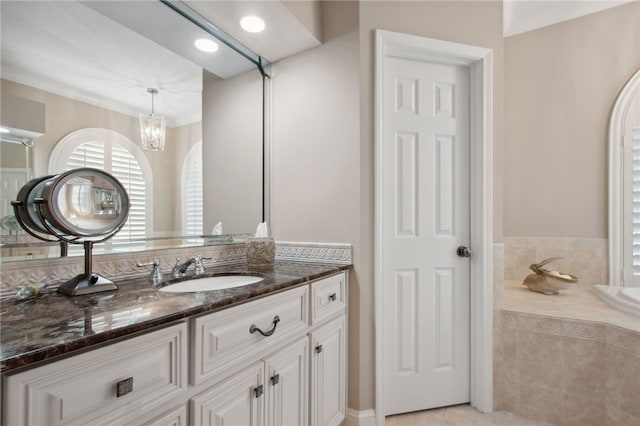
(156,274)
(198,264)
(154,262)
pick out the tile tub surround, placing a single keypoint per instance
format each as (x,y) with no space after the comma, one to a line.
(586,258)
(566,360)
(14,275)
(53,325)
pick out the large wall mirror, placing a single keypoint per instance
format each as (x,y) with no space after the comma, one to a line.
(75,76)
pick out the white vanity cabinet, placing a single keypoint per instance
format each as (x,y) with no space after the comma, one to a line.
(300,374)
(104,386)
(279,360)
(328,351)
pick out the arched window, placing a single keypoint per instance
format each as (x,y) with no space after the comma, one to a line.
(192,201)
(116,154)
(624,187)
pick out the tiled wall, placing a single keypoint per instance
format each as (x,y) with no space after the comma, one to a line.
(567,372)
(585,258)
(14,275)
(559,370)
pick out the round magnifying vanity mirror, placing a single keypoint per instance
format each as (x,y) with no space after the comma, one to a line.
(85,202)
(81,206)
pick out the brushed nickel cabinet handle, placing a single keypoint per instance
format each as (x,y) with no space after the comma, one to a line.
(124,387)
(259,391)
(267,333)
(275,379)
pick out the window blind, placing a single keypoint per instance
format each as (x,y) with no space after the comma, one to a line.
(635,202)
(123,166)
(193,216)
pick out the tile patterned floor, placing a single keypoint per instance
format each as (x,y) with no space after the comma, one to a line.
(460,415)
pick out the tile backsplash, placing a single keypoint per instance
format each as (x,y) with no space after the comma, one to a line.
(14,275)
(586,258)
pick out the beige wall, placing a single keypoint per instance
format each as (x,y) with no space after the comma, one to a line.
(560,85)
(232,151)
(322,183)
(309,13)
(13,155)
(182,138)
(315,182)
(65,115)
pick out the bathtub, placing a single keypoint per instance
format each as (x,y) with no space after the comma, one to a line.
(625,299)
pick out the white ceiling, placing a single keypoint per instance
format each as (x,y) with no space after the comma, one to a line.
(284,35)
(520,16)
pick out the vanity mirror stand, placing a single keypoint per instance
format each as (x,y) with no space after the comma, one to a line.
(81,206)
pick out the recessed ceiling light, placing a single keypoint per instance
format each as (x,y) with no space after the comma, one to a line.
(3,130)
(206,45)
(252,24)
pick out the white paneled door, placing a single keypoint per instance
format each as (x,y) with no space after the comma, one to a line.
(425,191)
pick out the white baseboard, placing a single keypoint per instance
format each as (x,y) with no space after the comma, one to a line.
(360,418)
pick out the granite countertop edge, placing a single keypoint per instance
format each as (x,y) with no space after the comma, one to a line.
(26,341)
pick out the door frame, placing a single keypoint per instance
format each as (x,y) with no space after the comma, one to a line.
(480,62)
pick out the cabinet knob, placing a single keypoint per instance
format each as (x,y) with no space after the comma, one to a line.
(333,296)
(259,391)
(275,379)
(318,349)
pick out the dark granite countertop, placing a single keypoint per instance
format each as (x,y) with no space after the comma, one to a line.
(54,325)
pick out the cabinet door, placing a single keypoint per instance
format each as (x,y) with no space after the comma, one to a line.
(328,381)
(237,401)
(287,384)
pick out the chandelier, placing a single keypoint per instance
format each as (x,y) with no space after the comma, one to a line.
(152,127)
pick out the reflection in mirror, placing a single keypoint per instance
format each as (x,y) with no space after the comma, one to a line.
(89,74)
(15,170)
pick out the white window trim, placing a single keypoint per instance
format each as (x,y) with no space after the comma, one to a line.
(196,147)
(480,62)
(65,146)
(616,179)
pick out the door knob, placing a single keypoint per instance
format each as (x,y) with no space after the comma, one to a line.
(464,251)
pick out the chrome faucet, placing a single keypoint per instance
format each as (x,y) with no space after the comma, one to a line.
(180,269)
(156,274)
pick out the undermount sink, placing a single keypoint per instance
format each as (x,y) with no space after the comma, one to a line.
(221,282)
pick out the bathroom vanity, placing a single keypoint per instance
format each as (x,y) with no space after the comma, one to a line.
(272,353)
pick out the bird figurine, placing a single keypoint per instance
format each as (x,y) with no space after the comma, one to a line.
(548,282)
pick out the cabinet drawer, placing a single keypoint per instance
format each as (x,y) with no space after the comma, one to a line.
(84,387)
(328,296)
(223,341)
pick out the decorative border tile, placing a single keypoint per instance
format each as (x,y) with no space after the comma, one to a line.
(14,275)
(551,325)
(586,330)
(565,327)
(314,252)
(624,339)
